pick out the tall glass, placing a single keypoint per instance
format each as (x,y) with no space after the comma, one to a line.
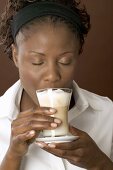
(58,98)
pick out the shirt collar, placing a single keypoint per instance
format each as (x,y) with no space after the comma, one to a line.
(83,100)
(81,103)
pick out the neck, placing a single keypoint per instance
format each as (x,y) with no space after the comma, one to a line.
(26,102)
(72,103)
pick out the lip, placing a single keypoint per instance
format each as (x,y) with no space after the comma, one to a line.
(52,87)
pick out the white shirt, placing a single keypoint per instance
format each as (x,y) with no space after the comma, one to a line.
(92,114)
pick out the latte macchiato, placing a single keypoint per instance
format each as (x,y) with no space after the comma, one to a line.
(60,100)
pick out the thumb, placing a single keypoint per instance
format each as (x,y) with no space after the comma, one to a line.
(76,132)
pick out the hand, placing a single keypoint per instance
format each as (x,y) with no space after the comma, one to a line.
(82,152)
(27,126)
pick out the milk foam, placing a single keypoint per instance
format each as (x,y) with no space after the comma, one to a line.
(53,98)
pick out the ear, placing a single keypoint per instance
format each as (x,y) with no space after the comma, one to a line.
(15,54)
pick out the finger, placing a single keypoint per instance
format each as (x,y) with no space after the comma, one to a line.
(34,117)
(46,110)
(63,146)
(37,123)
(25,113)
(67,145)
(57,152)
(76,132)
(40,110)
(41,144)
(24,137)
(66,154)
(49,149)
(33,126)
(34,138)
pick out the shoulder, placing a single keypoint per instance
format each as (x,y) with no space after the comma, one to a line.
(97,101)
(7,100)
(11,90)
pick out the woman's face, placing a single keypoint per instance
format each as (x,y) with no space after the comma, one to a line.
(47,58)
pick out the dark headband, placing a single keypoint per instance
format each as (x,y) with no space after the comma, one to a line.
(39,9)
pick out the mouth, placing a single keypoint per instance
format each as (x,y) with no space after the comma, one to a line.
(52,87)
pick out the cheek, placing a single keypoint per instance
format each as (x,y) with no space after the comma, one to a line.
(68,75)
(29,78)
(69,72)
(30,81)
(72,72)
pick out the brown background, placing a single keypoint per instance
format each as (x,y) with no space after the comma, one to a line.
(95,69)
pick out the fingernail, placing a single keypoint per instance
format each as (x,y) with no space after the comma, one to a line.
(52,110)
(53,125)
(51,145)
(40,145)
(57,120)
(32,132)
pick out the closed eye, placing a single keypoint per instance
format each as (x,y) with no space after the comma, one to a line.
(65,62)
(35,64)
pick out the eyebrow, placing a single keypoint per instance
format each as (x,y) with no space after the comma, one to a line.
(42,54)
(37,53)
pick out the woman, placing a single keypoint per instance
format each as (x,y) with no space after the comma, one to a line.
(45,39)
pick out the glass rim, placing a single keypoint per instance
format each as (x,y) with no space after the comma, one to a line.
(64,89)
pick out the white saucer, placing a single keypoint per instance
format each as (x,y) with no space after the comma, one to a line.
(60,139)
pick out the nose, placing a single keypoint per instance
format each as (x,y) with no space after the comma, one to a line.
(52,74)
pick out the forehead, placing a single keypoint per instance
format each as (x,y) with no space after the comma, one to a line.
(47,35)
(42,22)
(41,28)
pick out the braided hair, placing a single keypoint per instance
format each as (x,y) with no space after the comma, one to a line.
(13,6)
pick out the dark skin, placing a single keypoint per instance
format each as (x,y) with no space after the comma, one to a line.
(48,59)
